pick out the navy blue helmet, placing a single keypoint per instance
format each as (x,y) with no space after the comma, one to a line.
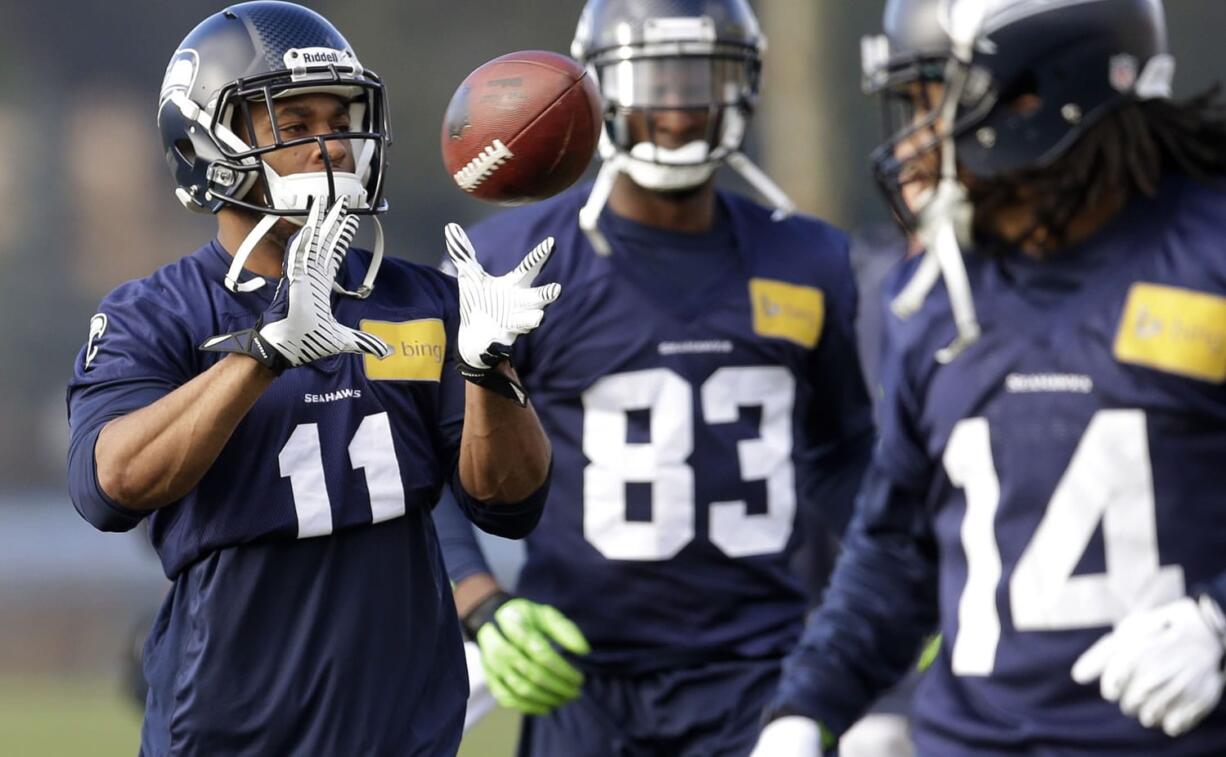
(246,57)
(1030,77)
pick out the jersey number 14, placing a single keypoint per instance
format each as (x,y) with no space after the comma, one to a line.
(1108,480)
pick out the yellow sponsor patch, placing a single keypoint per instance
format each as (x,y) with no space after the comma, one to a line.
(787,311)
(418,350)
(1174,330)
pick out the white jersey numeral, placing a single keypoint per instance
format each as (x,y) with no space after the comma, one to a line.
(302,462)
(662,462)
(968,461)
(767,458)
(371,449)
(1109,480)
(659,462)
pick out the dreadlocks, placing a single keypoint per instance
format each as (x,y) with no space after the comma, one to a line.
(1124,154)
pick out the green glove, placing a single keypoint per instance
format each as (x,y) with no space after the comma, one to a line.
(519,642)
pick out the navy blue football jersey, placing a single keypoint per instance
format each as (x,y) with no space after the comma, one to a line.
(1065,470)
(699,390)
(310,611)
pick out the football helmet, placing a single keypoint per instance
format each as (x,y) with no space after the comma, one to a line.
(1019,82)
(245,57)
(654,55)
(1034,76)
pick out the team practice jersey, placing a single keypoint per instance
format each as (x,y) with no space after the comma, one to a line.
(698,390)
(1065,470)
(310,611)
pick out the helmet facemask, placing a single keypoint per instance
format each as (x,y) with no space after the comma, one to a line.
(928,101)
(288,196)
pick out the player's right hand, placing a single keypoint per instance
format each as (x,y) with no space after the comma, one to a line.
(789,736)
(1162,665)
(494,310)
(519,641)
(299,326)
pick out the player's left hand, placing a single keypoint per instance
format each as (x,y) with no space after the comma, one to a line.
(1163,666)
(520,642)
(494,310)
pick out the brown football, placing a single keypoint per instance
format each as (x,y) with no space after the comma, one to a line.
(522,127)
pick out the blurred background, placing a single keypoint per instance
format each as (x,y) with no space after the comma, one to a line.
(86,203)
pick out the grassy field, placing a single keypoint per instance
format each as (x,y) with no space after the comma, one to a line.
(50,718)
(54,718)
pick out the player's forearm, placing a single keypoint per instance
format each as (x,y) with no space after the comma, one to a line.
(861,641)
(880,605)
(153,456)
(504,453)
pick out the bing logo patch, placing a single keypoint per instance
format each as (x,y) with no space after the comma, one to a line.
(1174,330)
(418,349)
(787,311)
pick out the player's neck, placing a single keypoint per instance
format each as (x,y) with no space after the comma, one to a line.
(691,211)
(266,258)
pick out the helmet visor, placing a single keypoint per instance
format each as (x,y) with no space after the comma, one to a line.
(678,82)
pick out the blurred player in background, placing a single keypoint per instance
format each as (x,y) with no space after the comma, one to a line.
(1049,482)
(288,486)
(700,384)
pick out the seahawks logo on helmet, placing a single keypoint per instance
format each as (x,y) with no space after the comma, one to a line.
(180,74)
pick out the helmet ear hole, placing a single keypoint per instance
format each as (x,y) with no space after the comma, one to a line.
(1025,105)
(1022,92)
(185,150)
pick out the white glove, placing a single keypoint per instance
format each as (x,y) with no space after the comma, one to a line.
(1163,666)
(494,310)
(299,326)
(789,736)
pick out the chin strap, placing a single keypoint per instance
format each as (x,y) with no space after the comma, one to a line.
(256,282)
(943,217)
(944,229)
(368,283)
(244,252)
(943,241)
(758,179)
(589,214)
(615,162)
